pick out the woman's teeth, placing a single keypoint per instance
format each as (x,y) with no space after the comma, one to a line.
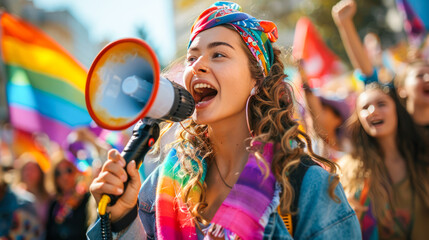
(377,122)
(198,87)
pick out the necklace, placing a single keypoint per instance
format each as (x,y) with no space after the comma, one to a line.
(223,180)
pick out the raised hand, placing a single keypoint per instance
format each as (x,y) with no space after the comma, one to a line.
(343,10)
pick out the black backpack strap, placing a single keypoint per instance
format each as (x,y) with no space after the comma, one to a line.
(296,176)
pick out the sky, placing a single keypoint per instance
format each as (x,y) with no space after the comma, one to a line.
(115,19)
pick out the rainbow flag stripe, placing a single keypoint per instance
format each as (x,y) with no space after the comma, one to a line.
(45,84)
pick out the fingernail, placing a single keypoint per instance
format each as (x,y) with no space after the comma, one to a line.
(123,178)
(133,163)
(119,190)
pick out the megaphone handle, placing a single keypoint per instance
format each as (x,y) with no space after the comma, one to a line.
(145,134)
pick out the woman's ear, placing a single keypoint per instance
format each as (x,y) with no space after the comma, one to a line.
(402,93)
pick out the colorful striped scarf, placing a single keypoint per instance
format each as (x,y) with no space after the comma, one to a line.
(243,214)
(257,34)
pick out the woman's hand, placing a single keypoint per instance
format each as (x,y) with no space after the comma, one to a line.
(111,181)
(343,11)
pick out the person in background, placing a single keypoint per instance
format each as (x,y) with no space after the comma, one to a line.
(31,178)
(231,173)
(327,118)
(18,216)
(413,88)
(411,81)
(386,177)
(67,215)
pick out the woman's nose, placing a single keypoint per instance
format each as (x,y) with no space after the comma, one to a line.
(199,66)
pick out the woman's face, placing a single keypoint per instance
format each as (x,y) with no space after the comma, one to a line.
(217,75)
(65,176)
(31,174)
(416,85)
(377,113)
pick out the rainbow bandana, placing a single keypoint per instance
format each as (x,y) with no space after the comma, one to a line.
(257,34)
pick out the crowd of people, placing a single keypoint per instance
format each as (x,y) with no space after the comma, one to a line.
(244,166)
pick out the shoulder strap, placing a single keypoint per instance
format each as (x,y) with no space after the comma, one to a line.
(296,177)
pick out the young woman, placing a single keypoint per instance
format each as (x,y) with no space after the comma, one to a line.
(387,174)
(230,174)
(31,178)
(412,82)
(67,215)
(413,89)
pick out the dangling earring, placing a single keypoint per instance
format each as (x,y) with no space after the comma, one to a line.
(252,93)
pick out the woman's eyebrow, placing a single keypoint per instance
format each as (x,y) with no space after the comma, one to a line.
(215,44)
(211,45)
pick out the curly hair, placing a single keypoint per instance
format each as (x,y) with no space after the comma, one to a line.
(368,158)
(272,108)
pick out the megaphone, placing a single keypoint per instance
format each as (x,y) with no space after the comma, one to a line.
(124,85)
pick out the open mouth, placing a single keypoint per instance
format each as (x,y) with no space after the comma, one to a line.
(204,92)
(425,88)
(377,122)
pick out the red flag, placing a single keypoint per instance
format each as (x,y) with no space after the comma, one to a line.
(320,63)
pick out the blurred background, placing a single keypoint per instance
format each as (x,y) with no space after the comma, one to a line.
(83,27)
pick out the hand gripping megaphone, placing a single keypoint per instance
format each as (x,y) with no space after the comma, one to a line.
(124,87)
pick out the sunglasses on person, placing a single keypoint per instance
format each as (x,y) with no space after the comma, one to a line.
(68,170)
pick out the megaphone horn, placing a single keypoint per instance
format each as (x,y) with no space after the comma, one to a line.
(124,85)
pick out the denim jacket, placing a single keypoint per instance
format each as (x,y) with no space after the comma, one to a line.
(319,217)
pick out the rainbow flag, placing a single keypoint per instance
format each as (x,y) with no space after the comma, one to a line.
(45,85)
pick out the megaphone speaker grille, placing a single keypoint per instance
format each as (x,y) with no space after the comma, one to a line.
(183,105)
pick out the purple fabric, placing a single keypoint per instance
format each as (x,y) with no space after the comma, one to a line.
(340,106)
(413,25)
(31,121)
(248,200)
